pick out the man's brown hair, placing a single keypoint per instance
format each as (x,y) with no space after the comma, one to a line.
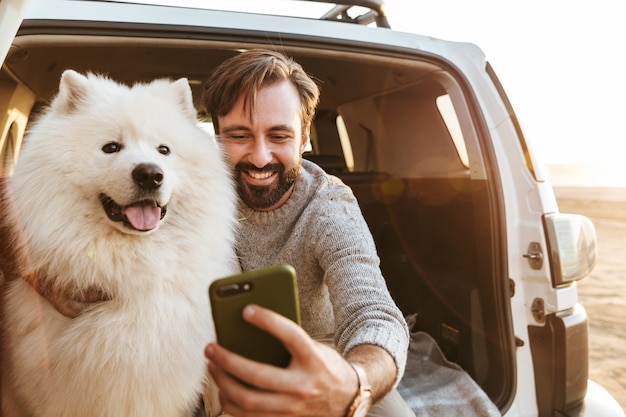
(246,73)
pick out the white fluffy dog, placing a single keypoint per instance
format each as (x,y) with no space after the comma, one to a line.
(128,214)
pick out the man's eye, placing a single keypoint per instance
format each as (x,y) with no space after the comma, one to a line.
(164,150)
(112,147)
(235,138)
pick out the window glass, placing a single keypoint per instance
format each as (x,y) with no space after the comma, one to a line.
(446,109)
(346,146)
(7,153)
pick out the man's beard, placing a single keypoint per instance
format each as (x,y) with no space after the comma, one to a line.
(263,197)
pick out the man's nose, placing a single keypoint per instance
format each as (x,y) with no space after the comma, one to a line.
(261,153)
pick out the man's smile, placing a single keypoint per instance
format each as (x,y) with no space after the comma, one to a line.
(261,177)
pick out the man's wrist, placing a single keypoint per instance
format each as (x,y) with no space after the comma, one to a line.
(379,365)
(363,399)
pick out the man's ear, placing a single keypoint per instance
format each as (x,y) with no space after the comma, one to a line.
(306,138)
(305,142)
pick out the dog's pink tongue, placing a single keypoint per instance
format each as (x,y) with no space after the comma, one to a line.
(143,216)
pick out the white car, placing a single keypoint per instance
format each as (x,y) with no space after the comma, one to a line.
(466,224)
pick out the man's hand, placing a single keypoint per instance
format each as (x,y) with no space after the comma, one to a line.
(317,382)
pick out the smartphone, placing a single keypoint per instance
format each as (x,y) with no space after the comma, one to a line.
(275,288)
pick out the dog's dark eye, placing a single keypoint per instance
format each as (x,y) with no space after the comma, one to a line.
(164,150)
(112,147)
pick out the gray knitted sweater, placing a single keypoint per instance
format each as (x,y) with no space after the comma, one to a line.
(321,232)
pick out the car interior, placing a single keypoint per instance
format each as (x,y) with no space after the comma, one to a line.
(391,127)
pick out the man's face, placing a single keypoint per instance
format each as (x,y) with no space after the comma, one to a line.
(265,148)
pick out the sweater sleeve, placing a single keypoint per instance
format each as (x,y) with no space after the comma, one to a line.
(364,310)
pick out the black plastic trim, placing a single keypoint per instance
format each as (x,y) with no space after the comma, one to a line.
(560,352)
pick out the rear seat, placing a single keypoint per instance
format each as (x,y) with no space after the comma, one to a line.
(425,235)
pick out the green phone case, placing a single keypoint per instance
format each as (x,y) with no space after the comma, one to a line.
(273,287)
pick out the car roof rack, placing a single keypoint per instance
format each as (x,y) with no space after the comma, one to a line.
(376,13)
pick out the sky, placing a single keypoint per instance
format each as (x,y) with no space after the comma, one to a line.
(562,63)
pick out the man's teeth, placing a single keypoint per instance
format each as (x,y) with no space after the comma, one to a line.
(260,175)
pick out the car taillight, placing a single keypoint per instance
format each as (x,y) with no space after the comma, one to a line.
(571,247)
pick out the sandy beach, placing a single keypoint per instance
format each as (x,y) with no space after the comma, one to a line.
(603,292)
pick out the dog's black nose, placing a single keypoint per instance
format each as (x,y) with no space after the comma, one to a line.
(148,176)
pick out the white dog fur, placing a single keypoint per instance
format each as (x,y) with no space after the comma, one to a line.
(136,346)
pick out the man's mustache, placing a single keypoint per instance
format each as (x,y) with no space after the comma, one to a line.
(247,166)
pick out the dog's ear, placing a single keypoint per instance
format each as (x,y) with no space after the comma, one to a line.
(185,97)
(72,91)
